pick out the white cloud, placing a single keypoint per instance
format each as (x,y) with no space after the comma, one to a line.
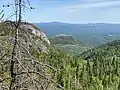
(96,4)
(97,1)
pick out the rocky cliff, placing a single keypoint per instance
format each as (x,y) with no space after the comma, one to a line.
(30,43)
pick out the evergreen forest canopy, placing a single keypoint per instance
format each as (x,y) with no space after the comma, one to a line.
(39,65)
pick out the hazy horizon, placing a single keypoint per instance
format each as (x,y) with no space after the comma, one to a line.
(77,23)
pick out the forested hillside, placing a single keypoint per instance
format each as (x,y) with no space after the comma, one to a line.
(63,39)
(31,40)
(98,73)
(69,44)
(56,69)
(109,50)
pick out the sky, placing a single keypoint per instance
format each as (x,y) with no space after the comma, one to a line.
(70,11)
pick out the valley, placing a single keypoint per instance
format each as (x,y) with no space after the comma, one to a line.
(91,33)
(68,62)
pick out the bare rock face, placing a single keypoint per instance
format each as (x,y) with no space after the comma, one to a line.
(29,36)
(36,32)
(35,37)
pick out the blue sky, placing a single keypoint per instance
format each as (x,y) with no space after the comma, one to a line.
(72,11)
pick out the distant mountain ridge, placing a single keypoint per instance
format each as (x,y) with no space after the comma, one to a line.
(91,33)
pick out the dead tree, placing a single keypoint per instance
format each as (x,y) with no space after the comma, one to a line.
(2,15)
(26,71)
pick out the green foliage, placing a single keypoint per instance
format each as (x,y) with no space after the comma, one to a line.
(69,44)
(74,73)
(67,39)
(109,50)
(74,49)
